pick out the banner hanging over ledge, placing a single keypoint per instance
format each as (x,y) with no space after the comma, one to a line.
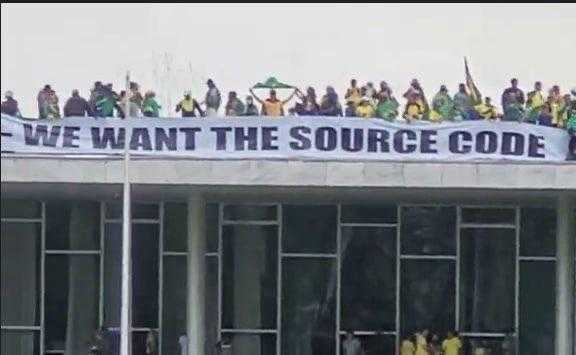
(288,138)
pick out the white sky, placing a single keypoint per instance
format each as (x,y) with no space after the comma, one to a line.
(72,45)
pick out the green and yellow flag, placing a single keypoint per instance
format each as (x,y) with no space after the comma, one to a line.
(472,89)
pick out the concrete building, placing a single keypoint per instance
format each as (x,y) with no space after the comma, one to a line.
(284,257)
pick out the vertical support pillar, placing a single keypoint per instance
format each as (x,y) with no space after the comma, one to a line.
(565,245)
(196,274)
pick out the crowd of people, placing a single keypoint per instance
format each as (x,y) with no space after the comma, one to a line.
(551,108)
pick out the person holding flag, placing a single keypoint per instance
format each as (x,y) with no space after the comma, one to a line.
(475,95)
(463,104)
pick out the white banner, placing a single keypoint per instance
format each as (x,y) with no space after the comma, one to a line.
(288,138)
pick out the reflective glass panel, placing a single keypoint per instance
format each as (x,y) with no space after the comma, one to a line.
(249,277)
(369,214)
(429,230)
(309,229)
(21,248)
(174,303)
(308,306)
(489,215)
(21,209)
(487,280)
(71,304)
(538,232)
(368,282)
(145,269)
(250,213)
(176,227)
(73,225)
(22,342)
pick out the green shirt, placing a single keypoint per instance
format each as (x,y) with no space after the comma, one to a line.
(150,105)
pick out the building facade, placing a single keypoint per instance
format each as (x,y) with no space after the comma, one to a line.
(284,257)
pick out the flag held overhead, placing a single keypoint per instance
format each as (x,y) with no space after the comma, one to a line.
(272,83)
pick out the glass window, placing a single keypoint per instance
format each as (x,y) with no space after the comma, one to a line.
(377,344)
(537,307)
(20,248)
(21,209)
(427,295)
(71,303)
(251,344)
(487,280)
(73,225)
(498,346)
(20,342)
(112,274)
(142,339)
(176,227)
(138,210)
(211,299)
(308,306)
(250,213)
(175,303)
(369,214)
(368,282)
(145,268)
(428,230)
(538,232)
(249,277)
(212,212)
(309,229)
(489,215)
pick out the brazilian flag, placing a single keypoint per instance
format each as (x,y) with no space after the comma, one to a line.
(475,94)
(387,110)
(272,83)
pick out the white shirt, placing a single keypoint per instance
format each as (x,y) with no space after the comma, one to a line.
(352,347)
(183,341)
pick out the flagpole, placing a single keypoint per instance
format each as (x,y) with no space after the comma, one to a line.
(125,318)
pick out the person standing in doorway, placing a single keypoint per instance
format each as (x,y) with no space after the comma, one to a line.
(351,345)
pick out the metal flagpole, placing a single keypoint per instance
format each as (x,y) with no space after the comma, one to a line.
(125,318)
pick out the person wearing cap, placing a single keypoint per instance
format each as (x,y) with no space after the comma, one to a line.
(77,106)
(213,99)
(443,108)
(189,106)
(273,107)
(150,108)
(234,106)
(10,106)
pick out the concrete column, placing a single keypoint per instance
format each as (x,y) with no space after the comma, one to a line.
(565,244)
(196,274)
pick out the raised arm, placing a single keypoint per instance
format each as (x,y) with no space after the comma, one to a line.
(289,97)
(256,97)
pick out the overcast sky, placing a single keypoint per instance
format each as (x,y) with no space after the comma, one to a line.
(174,47)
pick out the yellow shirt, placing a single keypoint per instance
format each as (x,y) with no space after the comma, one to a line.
(365,110)
(273,108)
(536,99)
(187,105)
(421,345)
(407,348)
(451,346)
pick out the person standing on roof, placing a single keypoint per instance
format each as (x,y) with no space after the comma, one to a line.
(150,108)
(213,99)
(77,106)
(189,106)
(272,106)
(513,102)
(10,106)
